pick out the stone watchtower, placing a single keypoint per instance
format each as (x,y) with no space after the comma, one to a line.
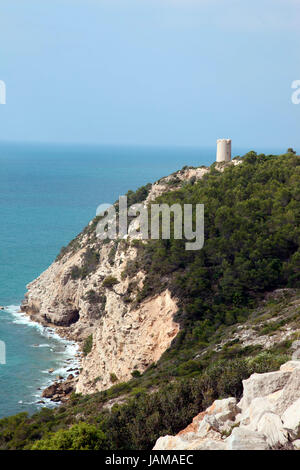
(223,150)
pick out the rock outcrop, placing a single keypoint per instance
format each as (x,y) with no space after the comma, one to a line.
(267,417)
(127,343)
(126,336)
(60,390)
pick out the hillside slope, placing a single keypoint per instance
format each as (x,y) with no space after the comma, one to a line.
(166,331)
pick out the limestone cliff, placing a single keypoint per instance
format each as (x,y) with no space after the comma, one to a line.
(86,292)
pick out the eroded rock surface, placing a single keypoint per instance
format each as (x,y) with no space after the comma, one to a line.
(267,417)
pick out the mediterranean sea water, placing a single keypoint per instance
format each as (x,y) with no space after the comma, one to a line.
(48,193)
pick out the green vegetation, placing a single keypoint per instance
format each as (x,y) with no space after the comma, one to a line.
(138,423)
(94,297)
(88,344)
(134,197)
(73,246)
(90,261)
(136,373)
(113,378)
(81,436)
(271,327)
(110,281)
(112,253)
(252,237)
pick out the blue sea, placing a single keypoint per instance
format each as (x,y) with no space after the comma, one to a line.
(48,193)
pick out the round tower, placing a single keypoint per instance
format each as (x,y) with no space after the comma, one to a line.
(223,150)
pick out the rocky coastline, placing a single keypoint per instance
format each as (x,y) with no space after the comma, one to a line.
(61,386)
(73,297)
(83,306)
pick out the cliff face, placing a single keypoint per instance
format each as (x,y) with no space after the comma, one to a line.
(86,292)
(126,341)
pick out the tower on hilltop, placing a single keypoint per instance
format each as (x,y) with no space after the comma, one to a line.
(223,150)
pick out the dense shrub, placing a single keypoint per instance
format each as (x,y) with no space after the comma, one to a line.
(75,272)
(138,423)
(136,374)
(113,378)
(252,239)
(110,281)
(92,296)
(112,253)
(134,197)
(90,261)
(81,436)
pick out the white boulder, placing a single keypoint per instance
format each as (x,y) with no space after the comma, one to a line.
(271,427)
(291,419)
(169,443)
(260,385)
(208,424)
(254,412)
(290,392)
(296,348)
(296,444)
(244,439)
(208,444)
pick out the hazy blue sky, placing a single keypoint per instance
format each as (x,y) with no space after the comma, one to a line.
(157,72)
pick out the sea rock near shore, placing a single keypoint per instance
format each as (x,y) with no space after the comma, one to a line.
(267,417)
(60,391)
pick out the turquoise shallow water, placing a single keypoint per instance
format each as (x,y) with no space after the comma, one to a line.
(47,194)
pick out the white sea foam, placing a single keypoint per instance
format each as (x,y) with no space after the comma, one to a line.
(67,357)
(21,318)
